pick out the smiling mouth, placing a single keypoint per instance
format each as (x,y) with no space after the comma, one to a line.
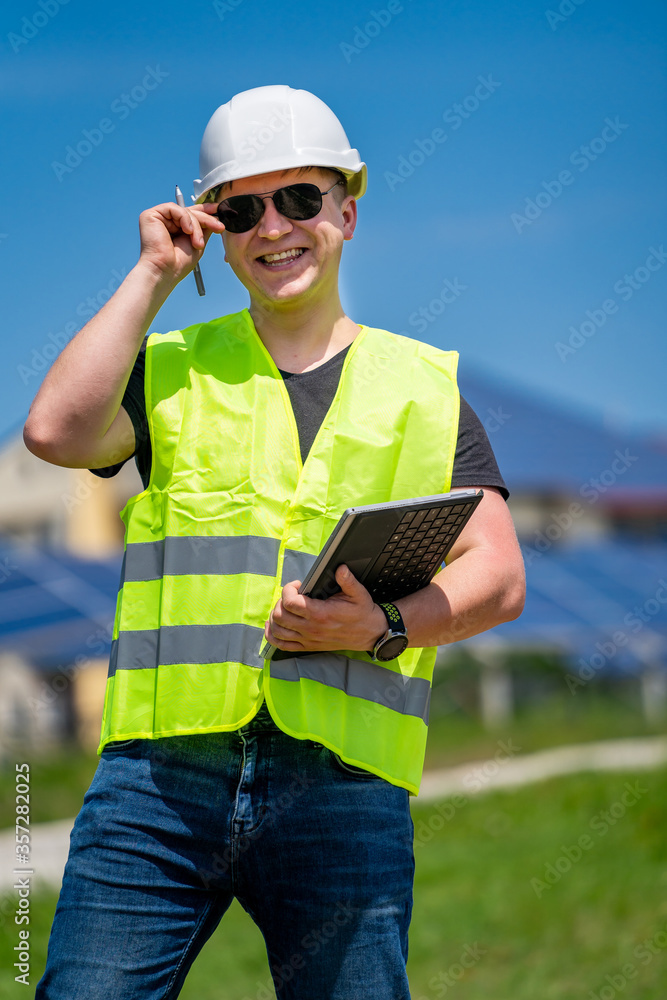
(283,258)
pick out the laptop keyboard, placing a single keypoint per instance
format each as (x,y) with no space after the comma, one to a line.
(416,550)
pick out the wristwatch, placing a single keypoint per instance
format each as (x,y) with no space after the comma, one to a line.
(395,640)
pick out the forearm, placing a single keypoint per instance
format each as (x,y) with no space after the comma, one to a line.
(475,592)
(482,586)
(82,392)
(472,594)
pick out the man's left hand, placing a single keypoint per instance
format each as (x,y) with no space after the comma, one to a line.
(348,620)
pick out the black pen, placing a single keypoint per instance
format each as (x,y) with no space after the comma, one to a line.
(197,273)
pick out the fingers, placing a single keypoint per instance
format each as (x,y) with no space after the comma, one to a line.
(292,601)
(283,618)
(290,612)
(348,583)
(290,621)
(300,623)
(174,237)
(195,222)
(282,637)
(352,591)
(208,207)
(189,225)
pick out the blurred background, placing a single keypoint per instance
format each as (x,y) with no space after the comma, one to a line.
(515,213)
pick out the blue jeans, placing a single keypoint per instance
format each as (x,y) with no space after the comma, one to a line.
(319,854)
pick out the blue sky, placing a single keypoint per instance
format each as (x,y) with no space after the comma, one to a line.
(560,105)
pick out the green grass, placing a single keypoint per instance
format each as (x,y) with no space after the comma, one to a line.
(456,735)
(560,940)
(473,890)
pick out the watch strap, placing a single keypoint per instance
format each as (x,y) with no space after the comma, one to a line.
(396,631)
(393,616)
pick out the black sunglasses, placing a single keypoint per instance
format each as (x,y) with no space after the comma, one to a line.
(296,201)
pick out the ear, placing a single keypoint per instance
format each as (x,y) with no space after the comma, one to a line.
(349,212)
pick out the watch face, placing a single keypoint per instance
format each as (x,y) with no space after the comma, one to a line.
(392,647)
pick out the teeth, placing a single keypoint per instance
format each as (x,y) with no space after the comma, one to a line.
(271,257)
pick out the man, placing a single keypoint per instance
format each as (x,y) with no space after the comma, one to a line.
(282,783)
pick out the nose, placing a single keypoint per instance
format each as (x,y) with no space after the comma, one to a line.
(273,225)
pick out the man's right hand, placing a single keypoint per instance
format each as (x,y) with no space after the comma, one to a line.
(173,239)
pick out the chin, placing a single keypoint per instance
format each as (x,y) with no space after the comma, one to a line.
(289,291)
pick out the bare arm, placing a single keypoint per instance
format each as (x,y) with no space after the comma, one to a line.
(482,585)
(76,419)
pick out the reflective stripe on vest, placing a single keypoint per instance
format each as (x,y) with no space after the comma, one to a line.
(361,679)
(200,555)
(231,514)
(146,649)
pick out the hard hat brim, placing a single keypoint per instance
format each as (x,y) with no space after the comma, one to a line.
(356,180)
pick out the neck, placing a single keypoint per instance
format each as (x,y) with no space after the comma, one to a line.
(300,338)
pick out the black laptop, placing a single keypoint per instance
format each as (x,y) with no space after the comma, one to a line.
(393,548)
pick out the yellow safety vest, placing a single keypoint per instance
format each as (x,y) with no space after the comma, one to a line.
(231,514)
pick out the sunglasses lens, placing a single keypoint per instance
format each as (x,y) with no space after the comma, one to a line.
(299,201)
(240,213)
(243,211)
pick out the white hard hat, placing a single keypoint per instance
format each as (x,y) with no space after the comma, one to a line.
(274,128)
